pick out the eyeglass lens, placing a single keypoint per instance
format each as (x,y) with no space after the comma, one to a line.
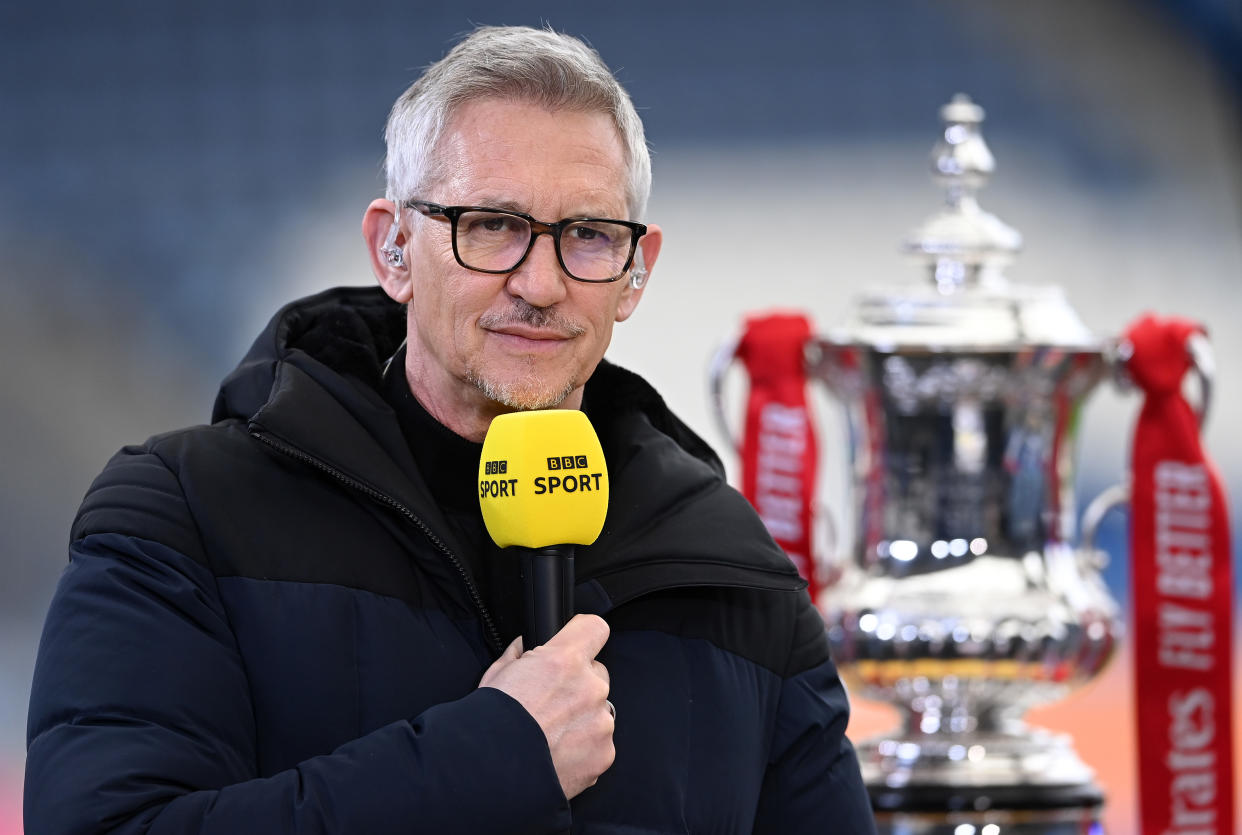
(593,250)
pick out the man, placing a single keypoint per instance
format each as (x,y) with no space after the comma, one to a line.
(293,621)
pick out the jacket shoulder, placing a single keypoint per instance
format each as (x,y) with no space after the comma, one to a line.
(140,492)
(779,631)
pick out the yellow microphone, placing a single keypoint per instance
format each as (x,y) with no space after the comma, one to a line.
(543,488)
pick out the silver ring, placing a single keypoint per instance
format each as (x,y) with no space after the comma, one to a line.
(612,710)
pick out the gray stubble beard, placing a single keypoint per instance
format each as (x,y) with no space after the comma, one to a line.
(526,394)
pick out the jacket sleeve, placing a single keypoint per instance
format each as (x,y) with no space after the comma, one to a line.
(141,721)
(813,783)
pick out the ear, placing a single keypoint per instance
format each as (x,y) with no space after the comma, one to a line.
(649,244)
(376,226)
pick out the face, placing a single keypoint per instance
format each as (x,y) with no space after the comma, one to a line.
(483,344)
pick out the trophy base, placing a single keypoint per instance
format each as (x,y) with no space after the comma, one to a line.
(1015,782)
(998,822)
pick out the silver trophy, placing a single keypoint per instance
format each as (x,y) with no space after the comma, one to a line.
(966,599)
(965,595)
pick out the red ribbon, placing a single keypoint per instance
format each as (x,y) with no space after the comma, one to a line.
(1182,590)
(778,443)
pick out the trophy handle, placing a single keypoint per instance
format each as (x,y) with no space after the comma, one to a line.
(721,360)
(718,368)
(1108,499)
(831,561)
(1203,359)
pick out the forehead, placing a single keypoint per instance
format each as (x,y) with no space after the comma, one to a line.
(541,160)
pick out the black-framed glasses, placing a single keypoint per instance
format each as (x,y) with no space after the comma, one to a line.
(591,249)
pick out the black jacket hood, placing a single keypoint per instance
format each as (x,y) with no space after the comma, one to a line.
(352,330)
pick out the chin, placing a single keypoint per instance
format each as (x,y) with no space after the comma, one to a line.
(524,394)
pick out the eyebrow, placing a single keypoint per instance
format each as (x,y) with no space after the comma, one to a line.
(514,206)
(507,205)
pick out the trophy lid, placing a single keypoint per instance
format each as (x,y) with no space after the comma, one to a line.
(962,163)
(969,303)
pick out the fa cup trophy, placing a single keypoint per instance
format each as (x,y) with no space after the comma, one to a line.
(965,594)
(966,600)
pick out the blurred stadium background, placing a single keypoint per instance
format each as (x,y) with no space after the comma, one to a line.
(170,173)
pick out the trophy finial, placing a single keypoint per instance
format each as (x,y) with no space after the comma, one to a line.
(961,161)
(961,239)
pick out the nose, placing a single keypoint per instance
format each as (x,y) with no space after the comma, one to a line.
(539,280)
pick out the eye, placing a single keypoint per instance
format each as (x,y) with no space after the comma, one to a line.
(596,233)
(492,224)
(496,223)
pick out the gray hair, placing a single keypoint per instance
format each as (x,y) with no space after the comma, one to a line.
(517,63)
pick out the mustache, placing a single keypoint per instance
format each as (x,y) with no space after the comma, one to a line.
(525,313)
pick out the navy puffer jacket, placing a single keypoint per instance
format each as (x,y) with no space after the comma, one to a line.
(266,626)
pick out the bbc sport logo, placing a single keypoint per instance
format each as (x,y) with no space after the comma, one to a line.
(567,462)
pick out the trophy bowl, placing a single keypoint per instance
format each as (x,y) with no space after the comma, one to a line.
(964,601)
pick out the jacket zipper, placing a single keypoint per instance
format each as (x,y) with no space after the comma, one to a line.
(493,635)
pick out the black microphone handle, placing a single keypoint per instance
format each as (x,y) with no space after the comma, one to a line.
(547,592)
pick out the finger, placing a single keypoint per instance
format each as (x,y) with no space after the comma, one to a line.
(511,654)
(585,634)
(513,651)
(600,670)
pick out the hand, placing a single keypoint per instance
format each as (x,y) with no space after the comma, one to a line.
(564,688)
